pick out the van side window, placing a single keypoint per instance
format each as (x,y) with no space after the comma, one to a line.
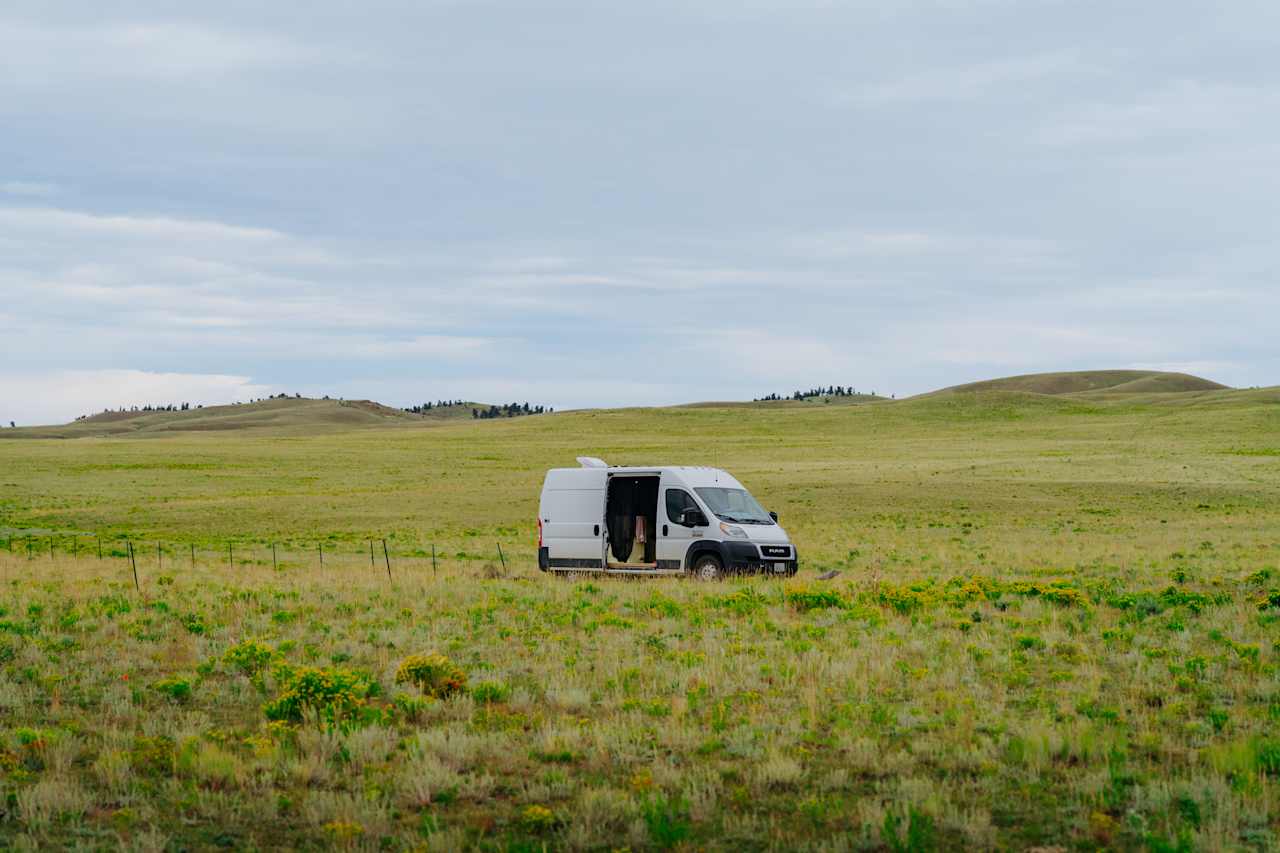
(678,500)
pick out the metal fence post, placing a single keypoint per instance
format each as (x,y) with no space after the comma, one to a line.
(134,564)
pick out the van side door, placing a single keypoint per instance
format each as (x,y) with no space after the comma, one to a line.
(674,538)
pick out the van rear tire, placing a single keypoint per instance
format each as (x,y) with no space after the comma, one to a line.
(707,568)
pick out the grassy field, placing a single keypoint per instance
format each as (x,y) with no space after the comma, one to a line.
(1056,625)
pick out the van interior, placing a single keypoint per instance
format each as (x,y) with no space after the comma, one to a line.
(631,519)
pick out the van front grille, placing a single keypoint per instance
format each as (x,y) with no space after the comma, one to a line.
(780,551)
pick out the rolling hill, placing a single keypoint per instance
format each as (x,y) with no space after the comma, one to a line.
(302,415)
(1088,382)
(285,414)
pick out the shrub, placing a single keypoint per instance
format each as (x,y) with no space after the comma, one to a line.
(1259,577)
(410,707)
(964,590)
(667,819)
(657,605)
(1268,757)
(435,675)
(152,755)
(538,819)
(1063,595)
(250,656)
(1195,602)
(177,689)
(743,602)
(489,692)
(343,832)
(804,598)
(331,693)
(904,599)
(919,831)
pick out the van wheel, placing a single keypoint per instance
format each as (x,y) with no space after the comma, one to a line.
(707,568)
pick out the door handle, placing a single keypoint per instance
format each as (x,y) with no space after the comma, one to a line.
(666,531)
(596,531)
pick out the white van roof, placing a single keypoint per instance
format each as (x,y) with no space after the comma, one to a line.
(693,476)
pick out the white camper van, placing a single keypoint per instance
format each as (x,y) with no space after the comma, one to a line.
(656,520)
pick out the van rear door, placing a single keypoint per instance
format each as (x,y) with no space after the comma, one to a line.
(572,514)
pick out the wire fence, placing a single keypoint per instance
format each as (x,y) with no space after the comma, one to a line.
(373,554)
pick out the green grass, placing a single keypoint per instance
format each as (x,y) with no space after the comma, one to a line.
(1056,623)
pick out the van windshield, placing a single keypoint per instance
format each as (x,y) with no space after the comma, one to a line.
(734,505)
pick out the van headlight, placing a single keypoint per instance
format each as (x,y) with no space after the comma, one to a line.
(732,531)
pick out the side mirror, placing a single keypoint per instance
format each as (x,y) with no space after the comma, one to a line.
(774,516)
(692,518)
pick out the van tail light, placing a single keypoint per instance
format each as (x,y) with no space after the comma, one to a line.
(539,531)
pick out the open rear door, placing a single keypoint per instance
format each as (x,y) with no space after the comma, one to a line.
(571,521)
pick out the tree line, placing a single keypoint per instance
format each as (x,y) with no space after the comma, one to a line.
(829,391)
(167,407)
(510,410)
(183,407)
(424,408)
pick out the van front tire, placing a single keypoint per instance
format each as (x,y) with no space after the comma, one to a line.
(707,568)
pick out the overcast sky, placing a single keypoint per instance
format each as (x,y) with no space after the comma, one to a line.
(629,203)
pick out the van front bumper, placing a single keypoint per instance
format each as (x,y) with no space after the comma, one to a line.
(745,557)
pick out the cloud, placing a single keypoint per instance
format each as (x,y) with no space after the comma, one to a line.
(166,272)
(34,189)
(605,205)
(968,82)
(925,246)
(558,390)
(40,54)
(1187,109)
(38,221)
(441,346)
(769,358)
(1218,371)
(61,395)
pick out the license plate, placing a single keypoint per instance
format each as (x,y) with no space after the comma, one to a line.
(779,568)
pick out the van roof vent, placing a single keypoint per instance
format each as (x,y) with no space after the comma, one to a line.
(592,462)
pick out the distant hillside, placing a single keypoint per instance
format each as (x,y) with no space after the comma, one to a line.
(1088,382)
(301,416)
(788,402)
(296,414)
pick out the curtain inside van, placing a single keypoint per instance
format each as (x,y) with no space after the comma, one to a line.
(629,498)
(621,517)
